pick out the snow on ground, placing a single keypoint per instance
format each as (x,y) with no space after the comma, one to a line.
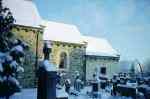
(32,94)
(26,94)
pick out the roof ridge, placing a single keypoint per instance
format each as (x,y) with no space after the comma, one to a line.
(66,24)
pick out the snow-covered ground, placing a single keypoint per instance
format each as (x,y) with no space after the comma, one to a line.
(32,94)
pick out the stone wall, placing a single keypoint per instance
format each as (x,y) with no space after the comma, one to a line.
(75,57)
(28,35)
(94,63)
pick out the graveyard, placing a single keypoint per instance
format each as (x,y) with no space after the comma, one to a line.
(51,59)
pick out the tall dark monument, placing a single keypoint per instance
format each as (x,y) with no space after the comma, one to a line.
(46,76)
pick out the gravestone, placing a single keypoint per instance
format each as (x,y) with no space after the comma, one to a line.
(77,82)
(95,86)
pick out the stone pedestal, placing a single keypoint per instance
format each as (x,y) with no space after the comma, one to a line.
(46,84)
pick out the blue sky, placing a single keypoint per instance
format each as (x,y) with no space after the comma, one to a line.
(124,23)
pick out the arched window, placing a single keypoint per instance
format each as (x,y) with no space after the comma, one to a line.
(63,60)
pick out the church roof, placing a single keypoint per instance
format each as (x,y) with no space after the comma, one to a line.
(55,31)
(61,32)
(24,12)
(99,47)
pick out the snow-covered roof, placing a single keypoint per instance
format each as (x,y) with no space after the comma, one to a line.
(61,32)
(69,33)
(24,11)
(99,47)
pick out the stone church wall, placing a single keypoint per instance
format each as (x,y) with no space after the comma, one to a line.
(75,57)
(28,35)
(94,63)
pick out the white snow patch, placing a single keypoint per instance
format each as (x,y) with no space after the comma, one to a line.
(49,66)
(18,48)
(24,11)
(61,32)
(99,47)
(61,93)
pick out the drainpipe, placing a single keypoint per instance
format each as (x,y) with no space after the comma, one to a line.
(36,58)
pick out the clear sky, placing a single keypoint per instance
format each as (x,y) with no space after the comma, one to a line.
(124,23)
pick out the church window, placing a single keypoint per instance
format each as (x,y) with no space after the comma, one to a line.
(103,70)
(63,60)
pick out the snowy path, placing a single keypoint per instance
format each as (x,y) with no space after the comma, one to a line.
(32,94)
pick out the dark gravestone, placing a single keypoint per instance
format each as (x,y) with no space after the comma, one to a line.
(95,89)
(46,84)
(103,81)
(95,86)
(126,90)
(103,84)
(145,90)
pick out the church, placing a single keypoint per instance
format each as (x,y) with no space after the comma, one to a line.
(71,50)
